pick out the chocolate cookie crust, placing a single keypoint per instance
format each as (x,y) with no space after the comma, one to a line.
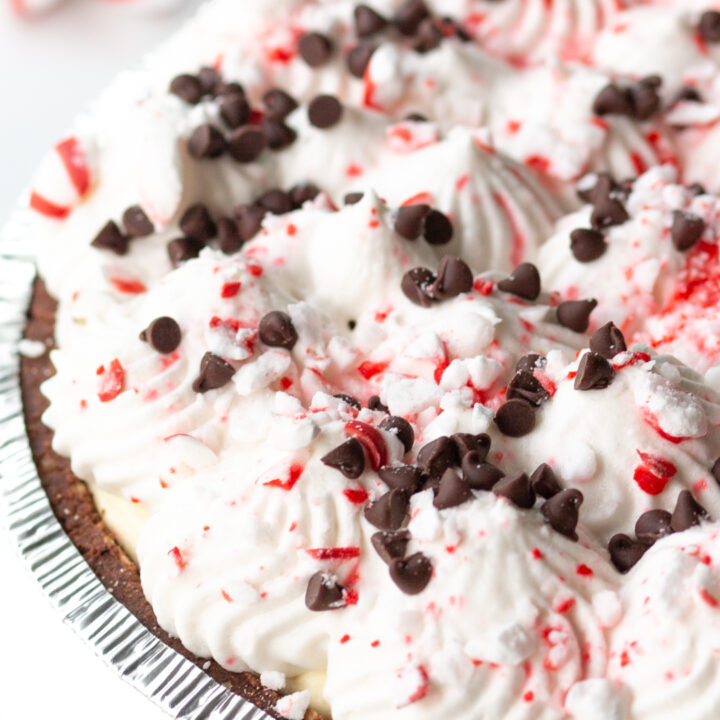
(74,508)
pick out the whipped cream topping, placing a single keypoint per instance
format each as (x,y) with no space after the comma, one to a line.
(348,354)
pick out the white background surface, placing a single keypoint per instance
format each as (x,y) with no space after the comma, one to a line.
(49,70)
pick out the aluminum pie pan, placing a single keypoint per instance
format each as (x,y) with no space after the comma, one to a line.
(165,677)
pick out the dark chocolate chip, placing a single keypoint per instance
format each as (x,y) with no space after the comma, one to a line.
(277,330)
(411,574)
(478,474)
(416,284)
(614,100)
(390,545)
(110,238)
(375,403)
(188,88)
(229,88)
(409,16)
(348,458)
(525,386)
(608,212)
(625,552)
(246,145)
(516,489)
(277,134)
(544,482)
(325,111)
(453,491)
(324,593)
(515,418)
(604,185)
(438,229)
(401,428)
(302,193)
(353,198)
(410,221)
(275,201)
(687,513)
(214,373)
(686,229)
(594,372)
(575,314)
(359,58)
(562,511)
(206,143)
(715,470)
(530,363)
(279,104)
(466,443)
(405,477)
(163,334)
(235,110)
(524,281)
(315,49)
(368,21)
(608,341)
(196,223)
(249,220)
(696,189)
(209,80)
(349,400)
(437,456)
(429,36)
(136,223)
(416,117)
(653,525)
(709,26)
(229,238)
(389,511)
(453,278)
(645,98)
(182,249)
(587,245)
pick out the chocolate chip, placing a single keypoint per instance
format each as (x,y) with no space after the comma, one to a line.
(416,117)
(229,88)
(438,228)
(603,187)
(277,330)
(614,100)
(587,245)
(375,403)
(279,104)
(524,281)
(687,513)
(409,16)
(228,236)
(544,482)
(709,26)
(324,593)
(525,386)
(478,474)
(608,341)
(110,238)
(411,574)
(353,198)
(206,143)
(188,88)
(136,223)
(349,400)
(625,552)
(530,363)
(696,189)
(516,489)
(276,201)
(410,221)
(453,278)
(249,220)
(325,111)
(562,511)
(416,284)
(182,249)
(437,456)
(453,491)
(429,36)
(401,428)
(645,97)
(594,372)
(686,229)
(315,49)
(368,21)
(209,80)
(389,511)
(235,110)
(575,314)
(608,212)
(246,145)
(348,458)
(390,545)
(302,193)
(278,135)
(406,477)
(653,525)
(359,58)
(515,418)
(163,334)
(196,223)
(214,373)
(715,470)
(466,443)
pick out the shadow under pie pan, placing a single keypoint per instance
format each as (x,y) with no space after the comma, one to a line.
(75,559)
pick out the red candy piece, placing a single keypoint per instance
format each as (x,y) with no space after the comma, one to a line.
(337,553)
(112,382)
(372,441)
(73,158)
